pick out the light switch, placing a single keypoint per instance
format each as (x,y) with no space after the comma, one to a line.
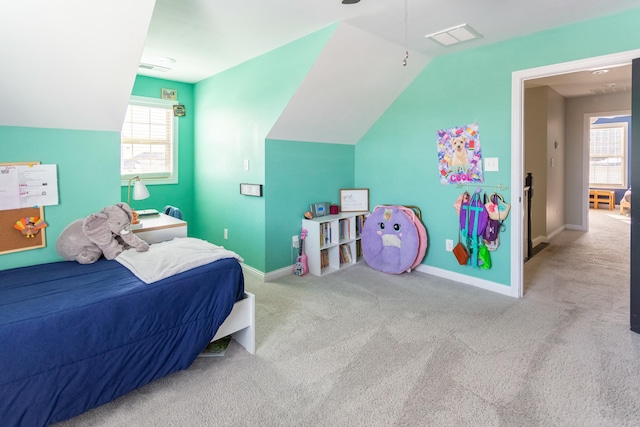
(246,164)
(491,164)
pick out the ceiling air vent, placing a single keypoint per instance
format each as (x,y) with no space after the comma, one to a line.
(153,67)
(454,35)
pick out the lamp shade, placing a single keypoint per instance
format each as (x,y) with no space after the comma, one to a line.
(140,191)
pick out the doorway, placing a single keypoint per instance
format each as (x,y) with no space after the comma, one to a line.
(517,154)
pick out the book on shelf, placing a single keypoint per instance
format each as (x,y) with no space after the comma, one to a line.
(324,258)
(345,254)
(345,229)
(359,224)
(325,234)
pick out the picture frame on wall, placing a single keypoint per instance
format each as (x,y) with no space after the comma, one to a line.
(178,110)
(354,200)
(169,94)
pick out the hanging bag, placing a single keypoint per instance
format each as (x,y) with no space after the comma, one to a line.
(460,251)
(473,216)
(462,198)
(484,257)
(497,208)
(475,220)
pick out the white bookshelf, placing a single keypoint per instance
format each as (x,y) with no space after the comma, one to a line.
(333,241)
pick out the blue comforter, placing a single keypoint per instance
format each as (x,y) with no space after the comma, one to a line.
(73,337)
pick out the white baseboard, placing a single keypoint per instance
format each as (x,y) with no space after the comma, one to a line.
(576,227)
(537,240)
(272,275)
(555,233)
(250,270)
(469,280)
(281,272)
(434,271)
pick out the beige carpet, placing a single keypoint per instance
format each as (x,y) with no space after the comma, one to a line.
(363,348)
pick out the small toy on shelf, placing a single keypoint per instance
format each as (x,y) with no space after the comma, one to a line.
(30,226)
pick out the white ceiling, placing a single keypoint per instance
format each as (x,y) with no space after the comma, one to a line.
(206,37)
(335,103)
(601,81)
(71,64)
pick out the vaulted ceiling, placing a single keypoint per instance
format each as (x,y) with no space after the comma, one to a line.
(71,64)
(207,37)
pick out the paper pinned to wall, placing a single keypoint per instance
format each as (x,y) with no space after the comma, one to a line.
(9,187)
(28,185)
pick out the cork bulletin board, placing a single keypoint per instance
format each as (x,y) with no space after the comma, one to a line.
(12,240)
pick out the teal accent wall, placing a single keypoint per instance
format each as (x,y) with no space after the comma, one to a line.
(180,194)
(230,115)
(397,158)
(235,110)
(88,179)
(298,174)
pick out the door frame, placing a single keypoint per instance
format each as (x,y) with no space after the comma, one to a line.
(517,147)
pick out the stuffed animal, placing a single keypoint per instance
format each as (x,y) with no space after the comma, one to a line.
(107,233)
(393,240)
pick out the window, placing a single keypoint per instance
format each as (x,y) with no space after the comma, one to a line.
(149,141)
(608,155)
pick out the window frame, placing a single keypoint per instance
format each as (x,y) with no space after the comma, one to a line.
(151,178)
(624,162)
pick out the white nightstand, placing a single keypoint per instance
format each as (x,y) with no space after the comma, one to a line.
(160,228)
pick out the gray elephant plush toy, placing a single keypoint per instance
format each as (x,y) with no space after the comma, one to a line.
(107,233)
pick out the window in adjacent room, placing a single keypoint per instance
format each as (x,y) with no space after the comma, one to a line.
(149,141)
(608,154)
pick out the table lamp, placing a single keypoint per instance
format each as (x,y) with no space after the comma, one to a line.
(140,192)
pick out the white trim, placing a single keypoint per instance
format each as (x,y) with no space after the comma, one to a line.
(241,323)
(272,275)
(150,178)
(277,274)
(517,140)
(554,233)
(624,146)
(576,227)
(434,271)
(467,280)
(152,102)
(250,270)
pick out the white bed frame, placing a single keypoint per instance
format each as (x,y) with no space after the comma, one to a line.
(241,323)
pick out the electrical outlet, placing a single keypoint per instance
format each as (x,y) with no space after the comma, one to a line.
(449,245)
(226,234)
(295,242)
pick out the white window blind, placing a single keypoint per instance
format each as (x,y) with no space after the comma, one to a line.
(607,155)
(149,140)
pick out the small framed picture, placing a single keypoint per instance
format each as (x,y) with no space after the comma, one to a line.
(354,200)
(251,190)
(178,110)
(170,94)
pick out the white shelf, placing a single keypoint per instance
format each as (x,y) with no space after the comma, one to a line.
(330,236)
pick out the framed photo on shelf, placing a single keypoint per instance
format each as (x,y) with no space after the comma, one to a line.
(354,199)
(170,94)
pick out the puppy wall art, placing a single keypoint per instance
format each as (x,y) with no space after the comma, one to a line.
(460,155)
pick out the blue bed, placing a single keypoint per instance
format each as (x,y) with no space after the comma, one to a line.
(73,337)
